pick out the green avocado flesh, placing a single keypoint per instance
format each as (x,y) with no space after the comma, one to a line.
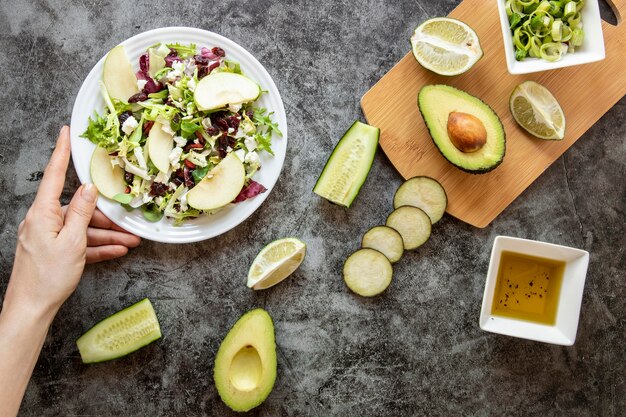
(436,102)
(245,364)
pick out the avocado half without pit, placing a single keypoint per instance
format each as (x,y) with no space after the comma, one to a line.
(245,364)
(467,132)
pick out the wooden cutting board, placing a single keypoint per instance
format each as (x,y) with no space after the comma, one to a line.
(585,92)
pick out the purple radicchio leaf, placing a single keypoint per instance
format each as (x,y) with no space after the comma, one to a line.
(144,63)
(251,190)
(171,58)
(152,86)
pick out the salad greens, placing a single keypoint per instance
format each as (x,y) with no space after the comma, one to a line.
(201,139)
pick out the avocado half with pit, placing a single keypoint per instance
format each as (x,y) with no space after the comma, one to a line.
(467,132)
(245,364)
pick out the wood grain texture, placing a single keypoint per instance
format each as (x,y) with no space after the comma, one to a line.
(585,92)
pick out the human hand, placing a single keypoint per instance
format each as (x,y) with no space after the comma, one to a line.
(55,242)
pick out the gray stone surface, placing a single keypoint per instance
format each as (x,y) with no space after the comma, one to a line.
(416,349)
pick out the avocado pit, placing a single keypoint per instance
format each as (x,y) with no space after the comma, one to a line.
(466,132)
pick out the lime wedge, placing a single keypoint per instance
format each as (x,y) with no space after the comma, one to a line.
(276,262)
(536,110)
(446,46)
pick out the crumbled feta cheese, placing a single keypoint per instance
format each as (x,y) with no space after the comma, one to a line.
(174,156)
(191,84)
(183,201)
(173,75)
(180,141)
(178,66)
(251,143)
(231,130)
(206,122)
(241,154)
(190,68)
(129,125)
(252,158)
(229,149)
(234,107)
(141,84)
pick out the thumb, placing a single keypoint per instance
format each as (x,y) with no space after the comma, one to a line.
(80,210)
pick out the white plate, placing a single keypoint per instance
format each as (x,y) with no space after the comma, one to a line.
(205,227)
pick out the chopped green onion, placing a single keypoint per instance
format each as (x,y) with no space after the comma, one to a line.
(574,21)
(518,39)
(544,6)
(514,20)
(551,51)
(577,37)
(557,30)
(545,29)
(570,10)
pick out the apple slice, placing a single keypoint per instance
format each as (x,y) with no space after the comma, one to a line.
(109,179)
(156,62)
(118,75)
(220,186)
(160,145)
(217,90)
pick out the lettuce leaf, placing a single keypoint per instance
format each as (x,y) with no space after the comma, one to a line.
(184,51)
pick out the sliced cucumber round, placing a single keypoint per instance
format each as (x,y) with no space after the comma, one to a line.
(424,193)
(120,334)
(348,165)
(385,240)
(412,223)
(367,272)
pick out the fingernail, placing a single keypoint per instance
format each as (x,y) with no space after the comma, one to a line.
(89,193)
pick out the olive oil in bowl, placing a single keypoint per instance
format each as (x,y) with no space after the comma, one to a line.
(528,288)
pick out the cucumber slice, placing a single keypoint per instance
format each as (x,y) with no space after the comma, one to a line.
(412,223)
(385,240)
(424,193)
(120,334)
(348,165)
(367,272)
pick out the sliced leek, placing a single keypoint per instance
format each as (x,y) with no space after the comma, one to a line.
(545,29)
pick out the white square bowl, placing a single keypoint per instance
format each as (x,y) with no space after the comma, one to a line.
(592,49)
(563,332)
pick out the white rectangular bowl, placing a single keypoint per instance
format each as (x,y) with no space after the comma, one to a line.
(570,298)
(592,49)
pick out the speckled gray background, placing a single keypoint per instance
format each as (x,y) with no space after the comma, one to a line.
(416,349)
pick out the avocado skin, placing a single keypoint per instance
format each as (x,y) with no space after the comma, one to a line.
(469,171)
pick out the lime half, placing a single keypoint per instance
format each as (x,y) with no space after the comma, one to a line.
(276,262)
(535,109)
(446,46)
